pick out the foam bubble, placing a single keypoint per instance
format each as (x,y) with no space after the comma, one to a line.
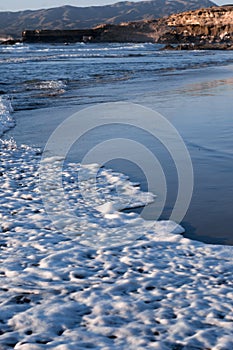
(56,293)
(6,119)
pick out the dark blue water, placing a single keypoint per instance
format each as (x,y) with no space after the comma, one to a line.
(193,90)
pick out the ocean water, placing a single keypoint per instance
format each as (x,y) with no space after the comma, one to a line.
(45,84)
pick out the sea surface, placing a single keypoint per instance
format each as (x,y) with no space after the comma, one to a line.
(45,84)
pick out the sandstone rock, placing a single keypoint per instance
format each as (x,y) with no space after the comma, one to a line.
(207,25)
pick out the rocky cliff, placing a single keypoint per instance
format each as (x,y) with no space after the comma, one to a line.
(206,25)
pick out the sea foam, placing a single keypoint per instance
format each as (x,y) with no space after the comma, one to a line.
(6,119)
(161,291)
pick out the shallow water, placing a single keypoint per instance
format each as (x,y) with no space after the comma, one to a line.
(193,90)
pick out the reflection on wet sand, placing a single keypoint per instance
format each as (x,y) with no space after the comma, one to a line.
(208,88)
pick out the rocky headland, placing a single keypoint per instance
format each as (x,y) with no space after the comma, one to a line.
(206,28)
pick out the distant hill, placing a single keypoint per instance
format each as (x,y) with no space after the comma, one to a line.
(69,17)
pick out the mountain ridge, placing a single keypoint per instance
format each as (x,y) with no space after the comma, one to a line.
(71,17)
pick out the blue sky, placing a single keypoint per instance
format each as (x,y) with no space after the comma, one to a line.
(14,5)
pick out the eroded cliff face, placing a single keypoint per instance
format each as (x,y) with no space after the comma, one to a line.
(206,25)
(204,17)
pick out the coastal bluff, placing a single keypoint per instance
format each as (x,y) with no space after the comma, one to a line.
(213,24)
(206,25)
